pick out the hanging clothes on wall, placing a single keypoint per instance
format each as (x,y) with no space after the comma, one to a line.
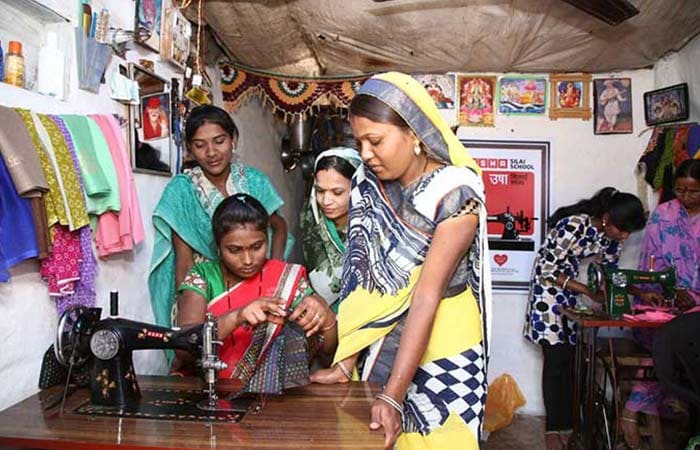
(24,166)
(84,290)
(55,211)
(97,187)
(119,231)
(17,238)
(57,150)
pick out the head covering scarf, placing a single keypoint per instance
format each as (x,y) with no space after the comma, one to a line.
(323,246)
(382,265)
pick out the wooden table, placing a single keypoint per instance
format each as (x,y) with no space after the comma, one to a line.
(588,326)
(312,417)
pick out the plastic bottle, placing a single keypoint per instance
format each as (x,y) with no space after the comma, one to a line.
(1,69)
(51,68)
(14,65)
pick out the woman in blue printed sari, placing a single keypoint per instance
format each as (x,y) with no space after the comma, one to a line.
(415,294)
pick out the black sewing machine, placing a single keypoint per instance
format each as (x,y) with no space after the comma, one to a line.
(614,282)
(513,225)
(106,345)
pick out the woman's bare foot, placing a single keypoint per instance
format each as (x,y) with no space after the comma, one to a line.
(630,428)
(552,441)
(332,375)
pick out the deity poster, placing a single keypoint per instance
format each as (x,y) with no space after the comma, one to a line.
(516,178)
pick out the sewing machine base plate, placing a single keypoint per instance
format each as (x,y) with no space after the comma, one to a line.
(172,404)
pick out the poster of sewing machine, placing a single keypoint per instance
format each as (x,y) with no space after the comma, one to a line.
(516,178)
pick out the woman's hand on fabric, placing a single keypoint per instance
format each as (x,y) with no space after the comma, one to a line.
(651,298)
(597,297)
(384,416)
(684,300)
(257,311)
(312,314)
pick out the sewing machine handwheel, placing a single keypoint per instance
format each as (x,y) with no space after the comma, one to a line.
(67,337)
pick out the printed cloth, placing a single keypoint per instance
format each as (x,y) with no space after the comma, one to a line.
(84,293)
(385,252)
(323,243)
(572,239)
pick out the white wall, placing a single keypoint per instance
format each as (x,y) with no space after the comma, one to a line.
(28,318)
(682,67)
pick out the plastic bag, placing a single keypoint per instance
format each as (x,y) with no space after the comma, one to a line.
(504,397)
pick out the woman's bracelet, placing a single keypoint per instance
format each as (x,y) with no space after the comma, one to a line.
(329,327)
(563,286)
(393,403)
(344,370)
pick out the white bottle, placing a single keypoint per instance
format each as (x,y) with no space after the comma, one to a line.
(50,70)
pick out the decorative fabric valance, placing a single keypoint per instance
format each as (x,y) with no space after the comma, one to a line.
(293,96)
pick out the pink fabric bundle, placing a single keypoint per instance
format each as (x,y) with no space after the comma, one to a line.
(122,230)
(62,268)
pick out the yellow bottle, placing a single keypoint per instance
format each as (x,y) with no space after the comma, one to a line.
(14,65)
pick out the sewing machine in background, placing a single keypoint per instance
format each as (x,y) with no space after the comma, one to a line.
(614,282)
(513,225)
(106,346)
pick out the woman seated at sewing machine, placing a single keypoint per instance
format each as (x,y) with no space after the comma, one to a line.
(253,298)
(671,238)
(593,227)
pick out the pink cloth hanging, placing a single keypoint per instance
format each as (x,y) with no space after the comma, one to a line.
(118,231)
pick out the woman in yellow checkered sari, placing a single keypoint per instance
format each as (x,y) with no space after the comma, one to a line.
(415,296)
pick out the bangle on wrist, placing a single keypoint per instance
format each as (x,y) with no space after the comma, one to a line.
(393,403)
(344,370)
(332,325)
(563,286)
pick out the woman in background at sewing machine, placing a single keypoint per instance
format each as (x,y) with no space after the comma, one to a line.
(182,218)
(592,228)
(324,220)
(672,238)
(245,290)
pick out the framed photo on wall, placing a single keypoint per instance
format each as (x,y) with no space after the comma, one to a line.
(148,23)
(150,124)
(516,177)
(477,95)
(665,105)
(613,106)
(177,31)
(570,96)
(441,88)
(520,95)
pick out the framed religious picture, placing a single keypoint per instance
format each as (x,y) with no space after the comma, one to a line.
(570,96)
(441,88)
(516,178)
(612,112)
(476,100)
(150,124)
(177,31)
(669,104)
(522,95)
(148,23)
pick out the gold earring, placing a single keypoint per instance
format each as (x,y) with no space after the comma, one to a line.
(416,148)
(605,223)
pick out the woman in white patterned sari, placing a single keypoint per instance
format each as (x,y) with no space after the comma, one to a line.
(415,295)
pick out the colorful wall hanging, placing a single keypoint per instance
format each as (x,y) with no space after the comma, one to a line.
(476,100)
(292,96)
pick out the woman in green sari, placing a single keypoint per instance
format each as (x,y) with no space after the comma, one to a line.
(324,220)
(182,218)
